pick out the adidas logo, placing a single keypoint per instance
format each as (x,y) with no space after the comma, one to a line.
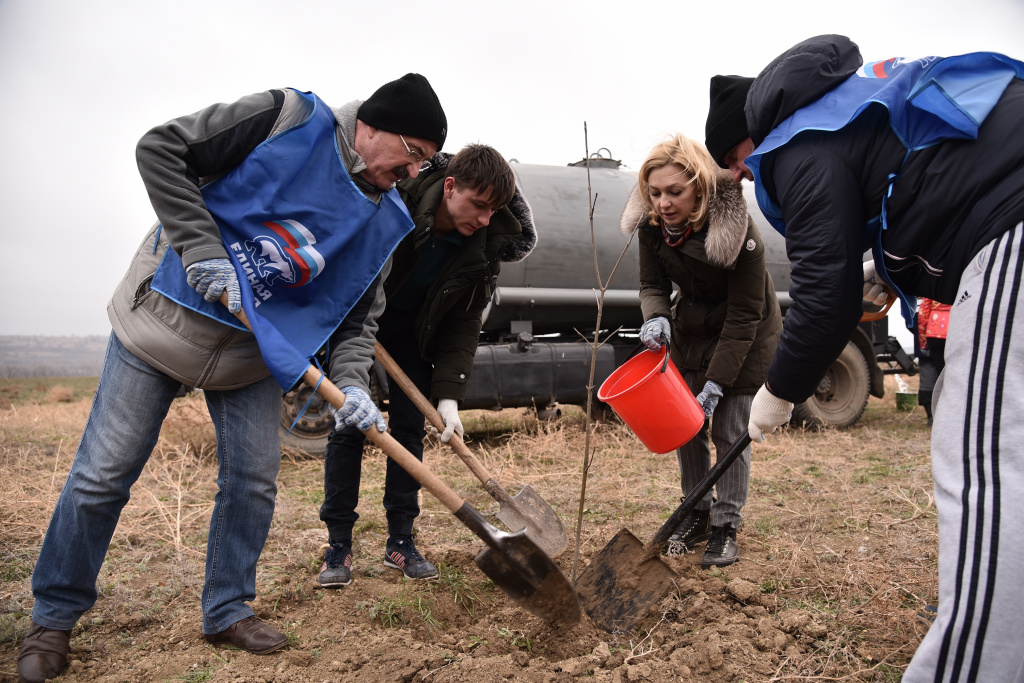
(964,297)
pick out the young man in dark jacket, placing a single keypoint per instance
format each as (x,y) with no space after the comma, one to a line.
(469,219)
(177,333)
(921,161)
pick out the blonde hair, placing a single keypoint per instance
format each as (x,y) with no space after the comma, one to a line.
(696,163)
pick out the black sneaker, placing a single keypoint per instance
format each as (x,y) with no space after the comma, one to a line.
(400,553)
(722,549)
(336,571)
(695,528)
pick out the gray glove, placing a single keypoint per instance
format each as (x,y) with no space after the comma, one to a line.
(708,397)
(213,276)
(449,410)
(767,413)
(655,333)
(358,411)
(875,289)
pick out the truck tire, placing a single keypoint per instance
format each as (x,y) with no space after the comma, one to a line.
(841,396)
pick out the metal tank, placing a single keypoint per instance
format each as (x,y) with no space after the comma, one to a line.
(555,287)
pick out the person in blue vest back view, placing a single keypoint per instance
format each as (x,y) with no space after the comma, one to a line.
(921,161)
(470,218)
(310,190)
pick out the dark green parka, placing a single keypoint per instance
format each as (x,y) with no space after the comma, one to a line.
(448,324)
(725,319)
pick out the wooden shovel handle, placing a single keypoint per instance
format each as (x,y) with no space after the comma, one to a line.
(430,412)
(387,443)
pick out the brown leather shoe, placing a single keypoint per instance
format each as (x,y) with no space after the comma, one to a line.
(250,634)
(44,654)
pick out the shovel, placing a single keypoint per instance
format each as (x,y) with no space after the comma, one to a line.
(512,561)
(526,510)
(627,578)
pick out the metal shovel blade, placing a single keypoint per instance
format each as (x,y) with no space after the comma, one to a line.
(523,571)
(528,511)
(620,585)
(627,578)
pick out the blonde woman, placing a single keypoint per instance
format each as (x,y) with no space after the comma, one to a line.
(694,232)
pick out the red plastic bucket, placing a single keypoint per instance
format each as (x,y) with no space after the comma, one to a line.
(657,406)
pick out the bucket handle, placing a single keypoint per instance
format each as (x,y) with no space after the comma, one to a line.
(641,345)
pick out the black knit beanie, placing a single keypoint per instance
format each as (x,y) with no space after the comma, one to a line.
(727,123)
(407,106)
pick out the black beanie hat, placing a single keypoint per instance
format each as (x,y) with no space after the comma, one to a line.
(407,106)
(727,122)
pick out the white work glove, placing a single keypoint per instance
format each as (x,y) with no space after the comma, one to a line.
(708,397)
(358,411)
(655,333)
(213,276)
(767,413)
(449,410)
(875,290)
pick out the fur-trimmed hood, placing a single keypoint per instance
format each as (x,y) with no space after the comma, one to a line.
(515,250)
(726,225)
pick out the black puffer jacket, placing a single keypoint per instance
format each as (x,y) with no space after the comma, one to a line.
(448,324)
(951,200)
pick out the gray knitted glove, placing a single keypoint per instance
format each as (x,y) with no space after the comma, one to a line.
(213,276)
(708,397)
(358,411)
(655,333)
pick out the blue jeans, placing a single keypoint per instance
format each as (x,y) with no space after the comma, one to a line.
(132,400)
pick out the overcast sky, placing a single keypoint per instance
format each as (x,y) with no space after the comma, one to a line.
(84,79)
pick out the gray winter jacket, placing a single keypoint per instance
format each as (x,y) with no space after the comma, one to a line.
(175,160)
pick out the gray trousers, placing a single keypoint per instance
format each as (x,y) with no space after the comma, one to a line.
(978,468)
(727,423)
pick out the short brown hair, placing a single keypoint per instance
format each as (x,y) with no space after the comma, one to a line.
(696,163)
(484,170)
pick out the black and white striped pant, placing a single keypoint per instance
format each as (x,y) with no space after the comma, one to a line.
(978,467)
(727,424)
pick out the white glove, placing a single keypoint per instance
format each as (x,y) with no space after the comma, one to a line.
(213,276)
(449,410)
(708,397)
(358,411)
(655,333)
(875,290)
(767,413)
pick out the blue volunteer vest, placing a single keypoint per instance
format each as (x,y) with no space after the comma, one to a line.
(929,100)
(302,236)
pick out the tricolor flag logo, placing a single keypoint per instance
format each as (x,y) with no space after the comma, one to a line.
(287,255)
(882,69)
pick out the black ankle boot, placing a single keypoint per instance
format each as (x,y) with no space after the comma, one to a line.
(722,549)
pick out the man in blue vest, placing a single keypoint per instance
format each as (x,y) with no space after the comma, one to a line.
(921,161)
(322,173)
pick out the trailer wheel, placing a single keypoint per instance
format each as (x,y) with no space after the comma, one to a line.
(311,431)
(841,396)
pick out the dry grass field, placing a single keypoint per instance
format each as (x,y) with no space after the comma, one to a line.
(838,560)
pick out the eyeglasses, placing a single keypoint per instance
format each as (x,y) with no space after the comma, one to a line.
(417,156)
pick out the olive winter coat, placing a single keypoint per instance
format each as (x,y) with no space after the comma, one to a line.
(725,319)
